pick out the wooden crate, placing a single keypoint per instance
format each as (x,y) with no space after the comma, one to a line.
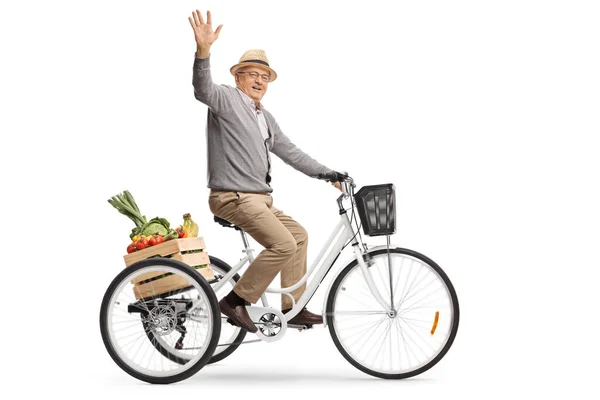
(188,250)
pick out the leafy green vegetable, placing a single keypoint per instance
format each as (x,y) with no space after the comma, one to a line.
(126,205)
(156,225)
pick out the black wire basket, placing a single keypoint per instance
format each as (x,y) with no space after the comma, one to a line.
(377,209)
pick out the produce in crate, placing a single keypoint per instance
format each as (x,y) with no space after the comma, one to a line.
(156,238)
(191,251)
(190,225)
(146,233)
(182,232)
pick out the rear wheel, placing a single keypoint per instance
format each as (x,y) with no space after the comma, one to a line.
(404,340)
(166,313)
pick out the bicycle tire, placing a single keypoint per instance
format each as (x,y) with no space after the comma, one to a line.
(212,303)
(454,326)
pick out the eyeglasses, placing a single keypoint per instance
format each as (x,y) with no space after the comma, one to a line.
(254,75)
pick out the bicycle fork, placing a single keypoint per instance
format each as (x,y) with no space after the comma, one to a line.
(361,262)
(369,278)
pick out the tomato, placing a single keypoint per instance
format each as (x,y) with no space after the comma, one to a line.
(131,248)
(158,239)
(152,240)
(141,244)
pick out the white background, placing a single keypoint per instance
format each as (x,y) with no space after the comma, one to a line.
(483,114)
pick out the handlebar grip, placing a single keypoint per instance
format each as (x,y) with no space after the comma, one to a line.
(333,176)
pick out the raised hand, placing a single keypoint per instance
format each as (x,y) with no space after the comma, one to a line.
(203,32)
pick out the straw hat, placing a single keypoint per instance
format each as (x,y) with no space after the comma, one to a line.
(257,58)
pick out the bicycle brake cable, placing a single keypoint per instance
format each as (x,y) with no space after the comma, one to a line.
(353,217)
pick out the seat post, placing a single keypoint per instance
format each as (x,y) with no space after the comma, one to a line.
(244,239)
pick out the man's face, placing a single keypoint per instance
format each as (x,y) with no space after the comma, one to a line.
(255,87)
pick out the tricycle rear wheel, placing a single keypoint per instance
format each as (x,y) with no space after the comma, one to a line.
(191,309)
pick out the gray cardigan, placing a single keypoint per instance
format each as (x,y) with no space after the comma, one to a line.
(238,157)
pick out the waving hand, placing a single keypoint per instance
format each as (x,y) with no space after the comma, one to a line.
(203,31)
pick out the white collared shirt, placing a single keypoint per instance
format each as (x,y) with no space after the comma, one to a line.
(257,111)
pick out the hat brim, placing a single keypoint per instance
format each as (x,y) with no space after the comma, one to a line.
(235,68)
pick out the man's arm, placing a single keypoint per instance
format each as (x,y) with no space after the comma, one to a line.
(293,156)
(214,96)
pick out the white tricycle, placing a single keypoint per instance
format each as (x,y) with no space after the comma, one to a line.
(391,312)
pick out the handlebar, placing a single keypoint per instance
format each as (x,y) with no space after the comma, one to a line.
(335,177)
(342,177)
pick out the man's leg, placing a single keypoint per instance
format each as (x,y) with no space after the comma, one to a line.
(252,212)
(295,269)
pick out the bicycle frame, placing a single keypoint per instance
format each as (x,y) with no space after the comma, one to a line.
(341,234)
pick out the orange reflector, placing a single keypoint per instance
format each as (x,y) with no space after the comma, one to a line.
(435,322)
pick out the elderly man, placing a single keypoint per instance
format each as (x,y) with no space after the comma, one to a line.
(240,134)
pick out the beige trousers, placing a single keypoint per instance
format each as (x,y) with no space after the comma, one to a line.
(284,240)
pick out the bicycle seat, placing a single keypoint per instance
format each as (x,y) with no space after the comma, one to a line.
(225,223)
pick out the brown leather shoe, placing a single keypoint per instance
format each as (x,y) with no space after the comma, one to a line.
(239,315)
(305,317)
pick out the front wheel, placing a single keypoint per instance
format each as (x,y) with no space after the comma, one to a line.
(400,341)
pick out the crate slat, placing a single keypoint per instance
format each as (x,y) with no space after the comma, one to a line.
(172,249)
(192,260)
(164,249)
(167,284)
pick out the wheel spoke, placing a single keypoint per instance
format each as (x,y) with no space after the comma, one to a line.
(343,313)
(386,287)
(398,275)
(348,327)
(366,337)
(415,337)
(418,289)
(362,334)
(425,304)
(412,283)
(382,340)
(363,290)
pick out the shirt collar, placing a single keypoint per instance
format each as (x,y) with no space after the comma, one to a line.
(249,101)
